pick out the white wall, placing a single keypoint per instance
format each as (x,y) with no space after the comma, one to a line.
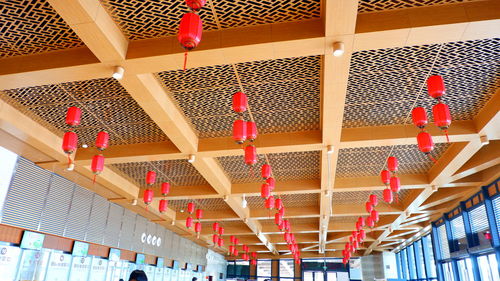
(390,265)
(216,264)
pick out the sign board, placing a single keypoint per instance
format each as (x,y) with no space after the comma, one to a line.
(98,269)
(59,266)
(80,249)
(9,259)
(32,240)
(80,268)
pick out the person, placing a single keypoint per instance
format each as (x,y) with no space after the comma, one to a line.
(194,279)
(138,275)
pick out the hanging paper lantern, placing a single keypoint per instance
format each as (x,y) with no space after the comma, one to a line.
(435,86)
(265,171)
(215,239)
(253,262)
(165,188)
(102,141)
(70,142)
(278,219)
(385,176)
(73,116)
(189,222)
(215,227)
(236,252)
(287,237)
(281,226)
(358,226)
(236,241)
(368,207)
(373,199)
(148,196)
(239,131)
(271,182)
(282,210)
(196,5)
(150,178)
(395,184)
(419,117)
(220,243)
(265,191)
(199,214)
(190,207)
(352,249)
(245,248)
(278,204)
(374,215)
(231,239)
(286,224)
(425,144)
(387,196)
(254,255)
(162,207)
(442,117)
(240,102)
(251,131)
(97,165)
(269,204)
(392,164)
(362,235)
(221,232)
(231,249)
(370,222)
(244,256)
(197,227)
(250,155)
(190,30)
(361,221)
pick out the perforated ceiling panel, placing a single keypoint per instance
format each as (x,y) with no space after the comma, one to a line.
(212,204)
(32,26)
(283,95)
(176,172)
(344,219)
(366,6)
(156,18)
(360,197)
(105,106)
(369,161)
(285,166)
(383,84)
(289,200)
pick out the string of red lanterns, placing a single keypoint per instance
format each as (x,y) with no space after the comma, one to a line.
(70,139)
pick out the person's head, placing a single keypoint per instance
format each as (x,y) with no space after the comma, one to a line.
(194,279)
(138,275)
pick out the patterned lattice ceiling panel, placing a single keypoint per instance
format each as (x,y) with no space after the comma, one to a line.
(360,197)
(212,204)
(286,166)
(177,172)
(157,18)
(105,106)
(32,26)
(344,219)
(284,95)
(369,161)
(367,6)
(289,200)
(384,84)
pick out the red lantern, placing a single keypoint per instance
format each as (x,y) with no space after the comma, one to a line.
(189,222)
(419,117)
(239,131)
(373,199)
(250,155)
(150,178)
(287,238)
(162,207)
(387,197)
(265,191)
(253,262)
(425,144)
(278,204)
(442,117)
(70,142)
(278,219)
(196,5)
(73,116)
(190,207)
(220,243)
(240,102)
(286,224)
(199,214)
(231,239)
(282,211)
(190,31)
(270,203)
(254,255)
(370,222)
(97,164)
(352,249)
(102,141)
(148,196)
(251,131)
(244,256)
(385,176)
(197,227)
(215,239)
(235,252)
(374,215)
(369,207)
(236,241)
(215,227)
(435,86)
(392,164)
(221,232)
(165,188)
(231,249)
(355,244)
(362,234)
(266,171)
(395,184)
(358,226)
(361,221)
(245,248)
(354,234)
(271,182)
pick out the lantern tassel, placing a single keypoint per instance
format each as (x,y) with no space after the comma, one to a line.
(69,160)
(447,137)
(185,60)
(432,158)
(93,180)
(397,198)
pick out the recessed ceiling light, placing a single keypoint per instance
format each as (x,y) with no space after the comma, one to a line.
(118,73)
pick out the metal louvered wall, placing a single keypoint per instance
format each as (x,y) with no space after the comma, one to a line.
(39,200)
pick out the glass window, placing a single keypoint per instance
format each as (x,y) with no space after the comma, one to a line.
(411,262)
(488,267)
(263,270)
(331,276)
(404,263)
(458,232)
(419,259)
(478,219)
(427,244)
(443,242)
(496,209)
(448,271)
(286,268)
(7,165)
(465,270)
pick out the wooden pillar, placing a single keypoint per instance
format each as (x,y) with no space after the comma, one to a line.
(253,271)
(275,269)
(298,271)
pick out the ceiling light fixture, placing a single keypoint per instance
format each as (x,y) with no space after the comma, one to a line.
(484,140)
(338,49)
(330,149)
(191,158)
(118,73)
(244,202)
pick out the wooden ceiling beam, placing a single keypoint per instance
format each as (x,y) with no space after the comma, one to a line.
(486,157)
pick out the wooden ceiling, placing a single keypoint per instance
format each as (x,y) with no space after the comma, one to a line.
(60,53)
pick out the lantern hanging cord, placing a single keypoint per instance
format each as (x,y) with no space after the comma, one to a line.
(422,85)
